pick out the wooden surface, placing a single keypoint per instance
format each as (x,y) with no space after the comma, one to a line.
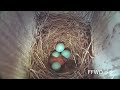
(106,37)
(15,42)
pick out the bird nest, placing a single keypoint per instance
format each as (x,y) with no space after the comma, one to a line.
(74,34)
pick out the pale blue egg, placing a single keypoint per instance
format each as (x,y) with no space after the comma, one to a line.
(55,54)
(59,47)
(56,66)
(66,53)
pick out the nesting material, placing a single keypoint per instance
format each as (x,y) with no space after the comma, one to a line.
(74,34)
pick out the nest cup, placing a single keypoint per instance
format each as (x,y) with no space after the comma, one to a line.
(76,36)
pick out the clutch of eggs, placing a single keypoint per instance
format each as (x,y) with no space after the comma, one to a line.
(60,49)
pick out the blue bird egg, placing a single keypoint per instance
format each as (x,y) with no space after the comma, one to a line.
(55,54)
(59,47)
(56,66)
(66,53)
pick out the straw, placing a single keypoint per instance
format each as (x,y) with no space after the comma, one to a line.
(74,34)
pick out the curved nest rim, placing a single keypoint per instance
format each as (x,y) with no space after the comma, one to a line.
(76,36)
